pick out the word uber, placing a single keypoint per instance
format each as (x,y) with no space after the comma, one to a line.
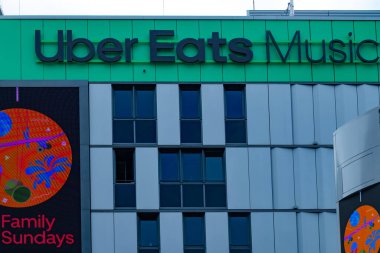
(239,50)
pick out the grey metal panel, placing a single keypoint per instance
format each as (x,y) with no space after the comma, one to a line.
(325,178)
(102,231)
(237,178)
(282,178)
(308,233)
(260,174)
(168,127)
(285,230)
(217,232)
(101,114)
(368,97)
(280,111)
(262,232)
(102,181)
(346,103)
(257,114)
(324,113)
(328,233)
(213,114)
(125,232)
(305,177)
(303,114)
(147,189)
(171,232)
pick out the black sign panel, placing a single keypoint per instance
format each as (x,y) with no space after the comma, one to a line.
(40,203)
(360,221)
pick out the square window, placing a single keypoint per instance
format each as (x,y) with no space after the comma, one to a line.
(169,164)
(123,131)
(234,104)
(146,131)
(214,167)
(215,195)
(191,131)
(123,104)
(192,166)
(190,103)
(125,195)
(236,131)
(170,195)
(192,195)
(145,104)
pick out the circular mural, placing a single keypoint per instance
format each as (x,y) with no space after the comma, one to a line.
(362,232)
(35,158)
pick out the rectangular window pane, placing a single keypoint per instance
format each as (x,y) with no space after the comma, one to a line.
(123,131)
(235,131)
(148,232)
(192,166)
(123,104)
(191,131)
(170,195)
(169,164)
(192,195)
(239,230)
(146,131)
(215,195)
(190,104)
(193,230)
(124,166)
(145,104)
(234,104)
(214,167)
(125,195)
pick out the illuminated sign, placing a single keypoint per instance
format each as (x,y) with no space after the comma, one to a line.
(40,205)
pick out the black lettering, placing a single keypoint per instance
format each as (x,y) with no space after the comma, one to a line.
(343,55)
(215,42)
(198,44)
(351,47)
(359,54)
(107,46)
(308,56)
(71,44)
(38,48)
(156,46)
(128,48)
(296,37)
(240,49)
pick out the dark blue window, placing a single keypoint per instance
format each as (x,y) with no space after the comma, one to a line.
(148,233)
(191,125)
(192,178)
(235,114)
(125,190)
(193,233)
(134,114)
(239,232)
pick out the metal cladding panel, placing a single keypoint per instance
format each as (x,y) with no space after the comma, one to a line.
(368,97)
(328,233)
(324,113)
(171,232)
(213,114)
(346,103)
(102,230)
(168,127)
(325,178)
(257,114)
(303,115)
(283,179)
(280,110)
(285,230)
(260,174)
(125,232)
(308,233)
(102,196)
(217,232)
(101,114)
(237,178)
(262,232)
(147,189)
(305,177)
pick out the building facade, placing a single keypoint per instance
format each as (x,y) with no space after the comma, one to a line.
(202,134)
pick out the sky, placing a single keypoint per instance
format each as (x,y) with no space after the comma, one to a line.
(172,7)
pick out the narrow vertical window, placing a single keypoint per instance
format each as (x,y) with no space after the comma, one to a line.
(170,188)
(123,125)
(148,233)
(125,188)
(239,233)
(235,114)
(191,124)
(194,233)
(145,115)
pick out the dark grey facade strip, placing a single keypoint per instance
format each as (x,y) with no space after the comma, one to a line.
(182,146)
(213,210)
(238,83)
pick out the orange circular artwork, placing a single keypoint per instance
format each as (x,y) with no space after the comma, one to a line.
(362,232)
(35,158)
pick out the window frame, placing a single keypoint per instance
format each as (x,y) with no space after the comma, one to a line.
(191,247)
(242,88)
(240,247)
(147,216)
